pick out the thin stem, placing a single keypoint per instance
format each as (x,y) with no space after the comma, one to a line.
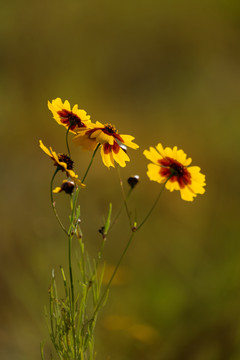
(97,261)
(72,292)
(70,267)
(90,164)
(120,209)
(125,250)
(154,204)
(125,199)
(74,201)
(68,149)
(53,202)
(112,277)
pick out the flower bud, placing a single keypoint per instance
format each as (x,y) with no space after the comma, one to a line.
(133,181)
(67,186)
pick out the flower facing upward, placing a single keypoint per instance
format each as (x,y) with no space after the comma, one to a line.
(173,164)
(111,142)
(63,162)
(62,113)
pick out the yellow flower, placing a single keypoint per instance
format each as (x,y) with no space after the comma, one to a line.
(173,164)
(63,114)
(112,143)
(63,162)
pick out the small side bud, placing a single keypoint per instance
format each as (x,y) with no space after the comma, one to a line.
(101,230)
(133,181)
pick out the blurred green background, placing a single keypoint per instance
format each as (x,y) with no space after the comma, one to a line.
(162,71)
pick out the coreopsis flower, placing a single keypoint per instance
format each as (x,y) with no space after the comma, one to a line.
(74,118)
(67,186)
(111,143)
(63,162)
(172,165)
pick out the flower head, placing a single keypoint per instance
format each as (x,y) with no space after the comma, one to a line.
(111,142)
(63,162)
(172,166)
(67,186)
(64,115)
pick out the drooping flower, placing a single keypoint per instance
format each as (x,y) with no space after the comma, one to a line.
(67,186)
(173,164)
(63,162)
(112,148)
(74,118)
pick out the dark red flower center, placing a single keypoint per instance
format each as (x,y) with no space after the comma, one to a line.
(65,159)
(109,130)
(70,119)
(175,171)
(109,148)
(112,131)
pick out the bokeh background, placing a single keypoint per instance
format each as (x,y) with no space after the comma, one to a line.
(163,71)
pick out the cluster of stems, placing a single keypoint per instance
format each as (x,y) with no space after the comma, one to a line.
(72,316)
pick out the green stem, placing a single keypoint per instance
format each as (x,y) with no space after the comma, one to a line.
(70,267)
(120,210)
(154,205)
(68,149)
(74,202)
(90,164)
(72,292)
(112,277)
(125,198)
(53,202)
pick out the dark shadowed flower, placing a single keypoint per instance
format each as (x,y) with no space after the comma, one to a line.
(67,186)
(63,162)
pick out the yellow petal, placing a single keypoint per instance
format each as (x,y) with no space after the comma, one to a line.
(152,155)
(66,105)
(75,109)
(103,138)
(85,142)
(107,158)
(168,152)
(172,185)
(160,149)
(44,148)
(98,124)
(187,194)
(95,134)
(121,157)
(77,181)
(57,190)
(154,173)
(198,180)
(127,140)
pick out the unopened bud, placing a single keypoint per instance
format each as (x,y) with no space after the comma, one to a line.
(133,181)
(67,186)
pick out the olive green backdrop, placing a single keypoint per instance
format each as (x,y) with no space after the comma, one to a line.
(162,71)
